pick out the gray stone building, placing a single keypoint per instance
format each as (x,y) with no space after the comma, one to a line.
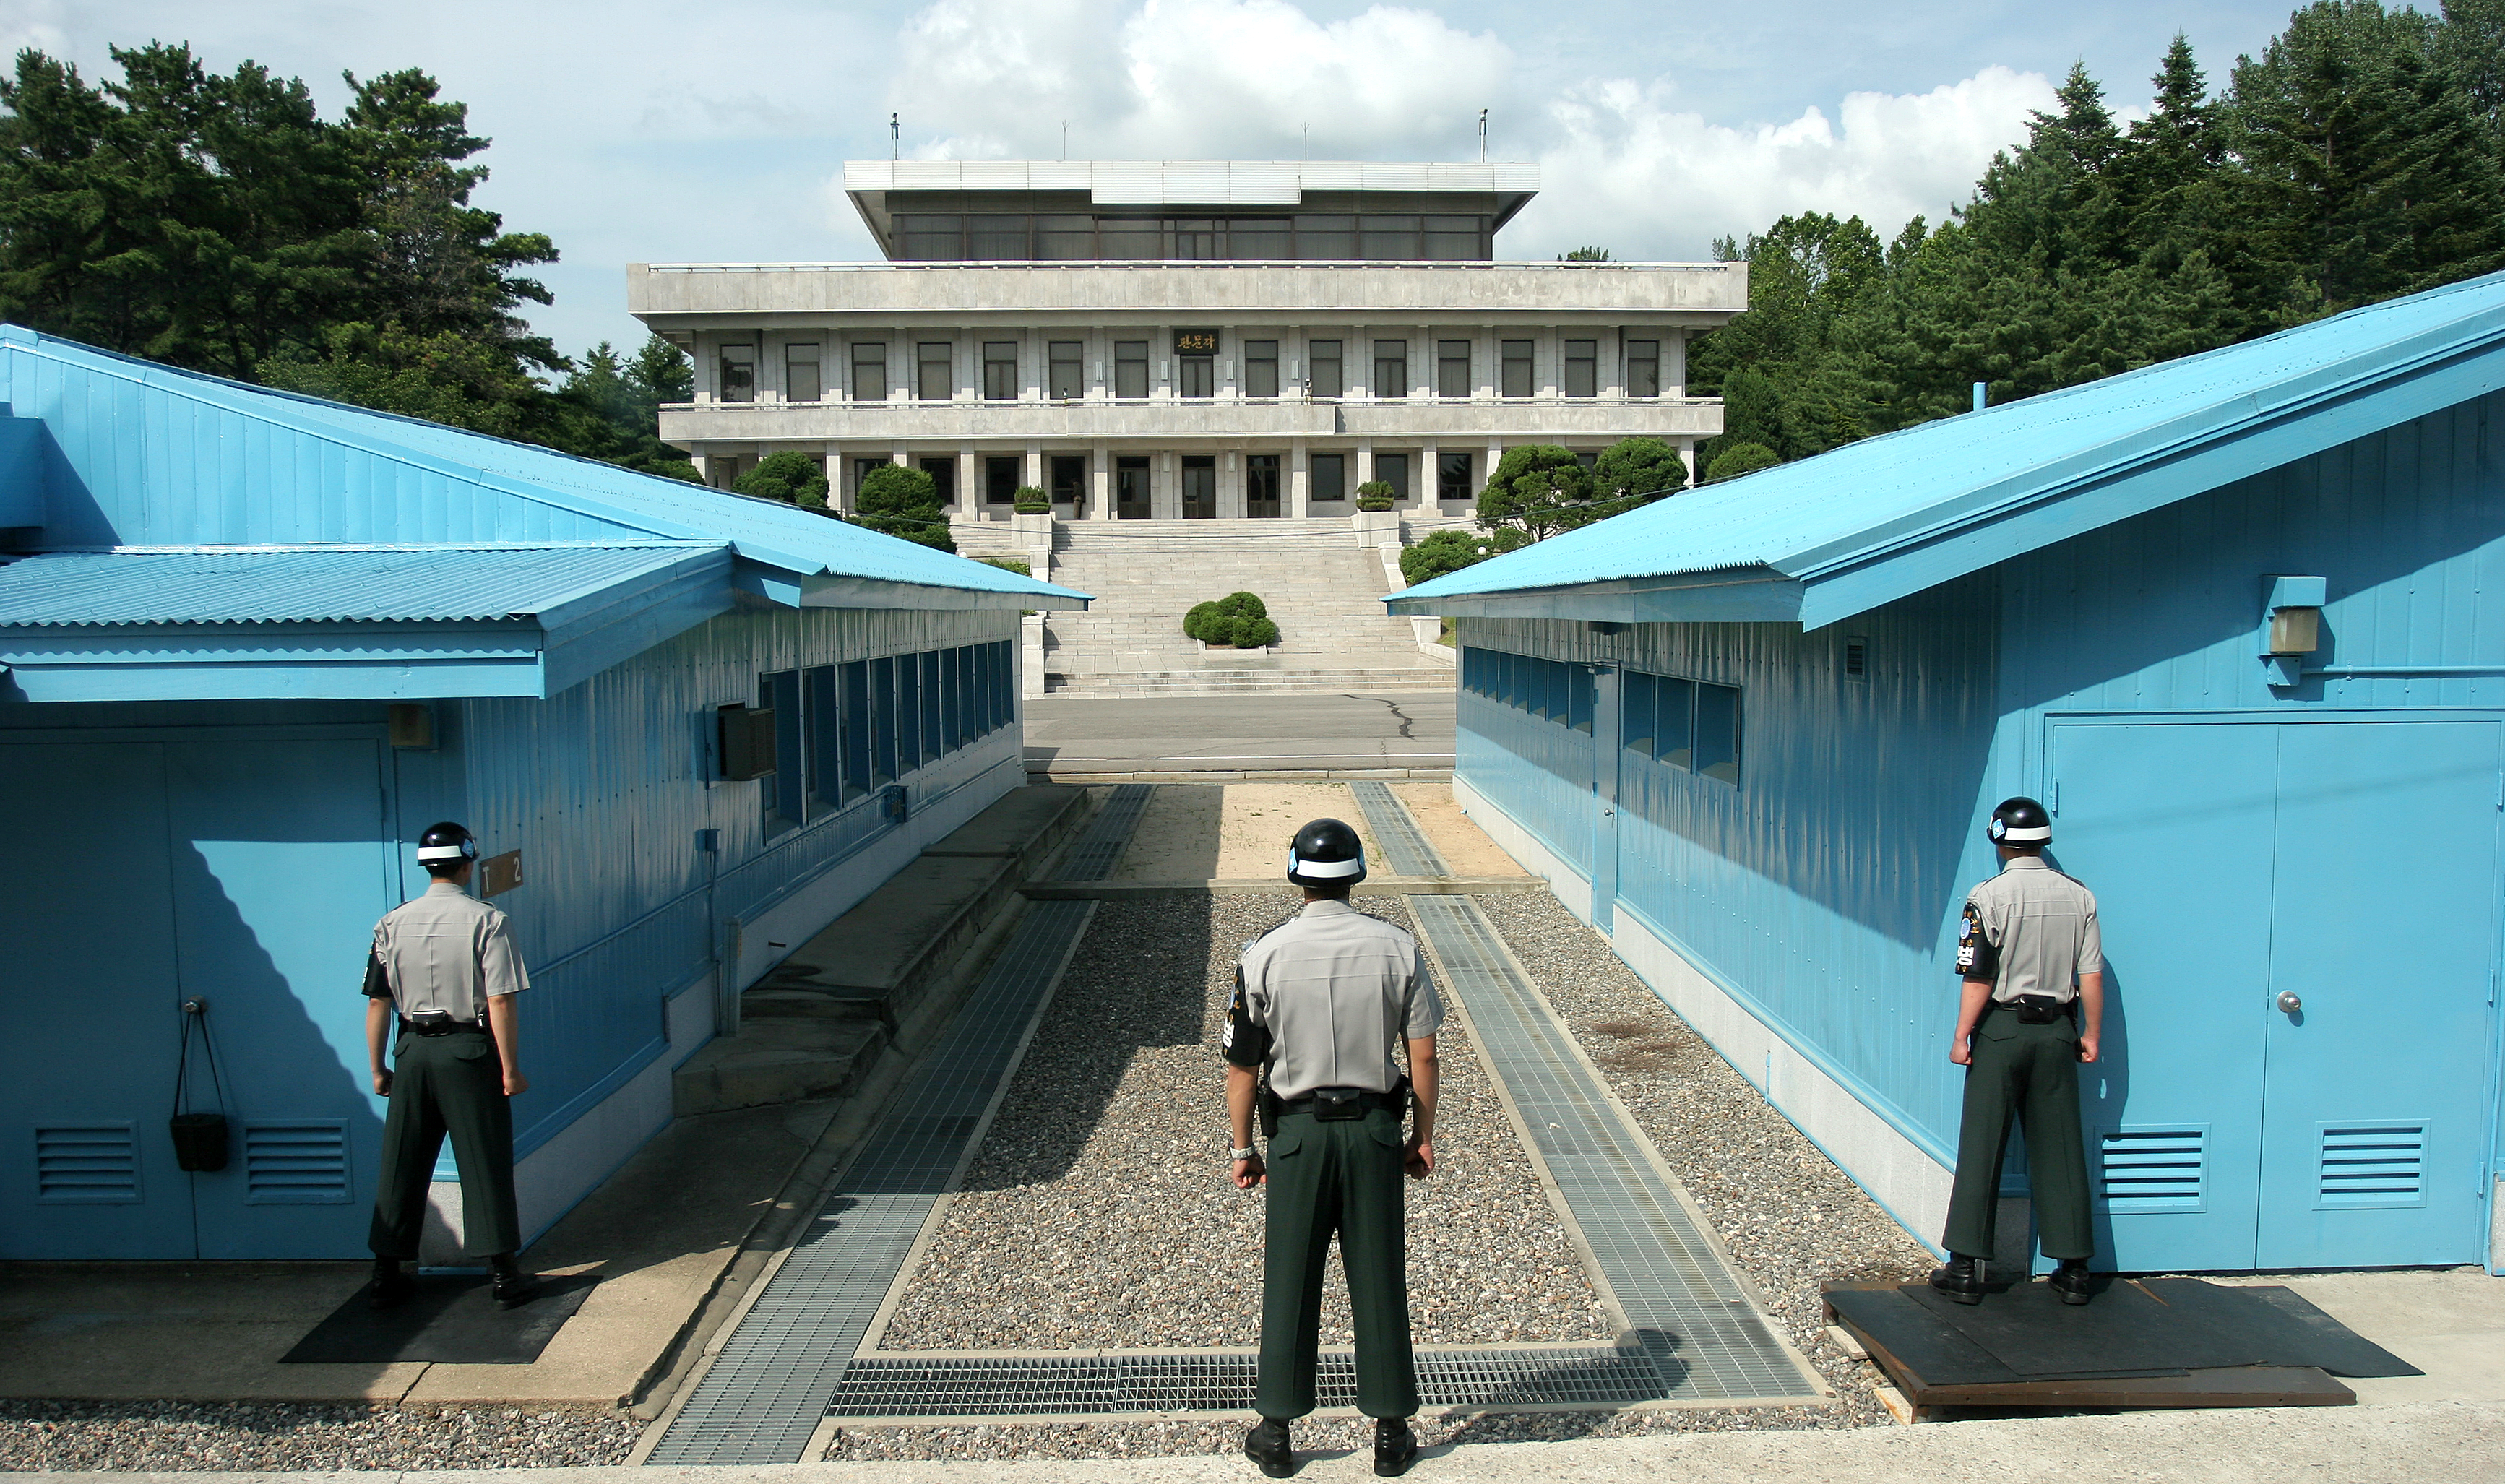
(1183,340)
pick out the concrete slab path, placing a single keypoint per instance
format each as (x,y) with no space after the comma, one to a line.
(1387,734)
(2399,1444)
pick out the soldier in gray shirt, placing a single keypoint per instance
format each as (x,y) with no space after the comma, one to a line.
(2031,1009)
(1324,1003)
(444,970)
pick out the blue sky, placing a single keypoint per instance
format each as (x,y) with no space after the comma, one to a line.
(633,130)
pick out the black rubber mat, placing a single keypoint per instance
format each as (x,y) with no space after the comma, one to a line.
(2162,1326)
(450,1320)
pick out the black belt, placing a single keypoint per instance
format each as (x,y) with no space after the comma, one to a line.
(429,1026)
(2039,1010)
(1395,1102)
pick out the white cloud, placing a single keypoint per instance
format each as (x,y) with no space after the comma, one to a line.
(1621,163)
(1191,79)
(1631,172)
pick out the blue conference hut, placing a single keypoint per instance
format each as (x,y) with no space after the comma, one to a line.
(254,642)
(2239,619)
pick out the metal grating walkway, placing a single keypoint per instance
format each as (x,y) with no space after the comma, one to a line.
(1405,847)
(1101,848)
(1686,1305)
(769,1386)
(1036,1386)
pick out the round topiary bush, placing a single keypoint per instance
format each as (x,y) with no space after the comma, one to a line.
(1239,619)
(1377,495)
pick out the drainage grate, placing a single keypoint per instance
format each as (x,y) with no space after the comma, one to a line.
(1709,1338)
(1033,1386)
(1405,847)
(1101,848)
(769,1386)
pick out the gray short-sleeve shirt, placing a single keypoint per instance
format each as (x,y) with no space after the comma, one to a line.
(445,950)
(1333,992)
(2040,924)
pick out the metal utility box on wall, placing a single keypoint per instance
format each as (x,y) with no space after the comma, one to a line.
(2299,862)
(747,742)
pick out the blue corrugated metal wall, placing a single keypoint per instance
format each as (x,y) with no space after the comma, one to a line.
(604,788)
(1822,889)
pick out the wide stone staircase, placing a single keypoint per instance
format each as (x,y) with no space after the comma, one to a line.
(1323,591)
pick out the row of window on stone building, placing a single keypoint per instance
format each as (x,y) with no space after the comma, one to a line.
(1327,371)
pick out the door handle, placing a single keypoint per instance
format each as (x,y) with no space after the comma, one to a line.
(2288,1002)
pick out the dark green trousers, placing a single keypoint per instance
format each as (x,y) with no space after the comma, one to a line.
(1343,1176)
(447,1084)
(2030,1071)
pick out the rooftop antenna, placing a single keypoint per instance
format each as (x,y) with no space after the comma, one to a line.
(894,138)
(1482,136)
(1309,141)
(1065,139)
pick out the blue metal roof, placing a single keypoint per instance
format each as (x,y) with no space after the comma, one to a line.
(309,584)
(1819,539)
(162,457)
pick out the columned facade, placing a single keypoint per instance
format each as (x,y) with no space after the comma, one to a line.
(1198,379)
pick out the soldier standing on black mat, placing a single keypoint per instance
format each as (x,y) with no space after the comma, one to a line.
(2032,967)
(1324,1003)
(444,966)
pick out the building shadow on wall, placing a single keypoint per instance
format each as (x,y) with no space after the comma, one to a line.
(1138,984)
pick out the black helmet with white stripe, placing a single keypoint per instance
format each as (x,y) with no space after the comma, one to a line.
(2020,821)
(446,843)
(1326,854)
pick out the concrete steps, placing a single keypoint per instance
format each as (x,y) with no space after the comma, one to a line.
(1424,676)
(816,1023)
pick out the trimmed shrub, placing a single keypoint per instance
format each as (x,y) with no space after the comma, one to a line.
(1016,564)
(1239,619)
(1377,495)
(793,478)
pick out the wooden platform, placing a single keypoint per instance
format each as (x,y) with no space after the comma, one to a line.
(2173,1342)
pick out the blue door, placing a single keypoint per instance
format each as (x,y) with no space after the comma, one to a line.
(2301,925)
(2384,936)
(2171,827)
(245,873)
(88,983)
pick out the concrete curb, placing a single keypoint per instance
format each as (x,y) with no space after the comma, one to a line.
(2395,1444)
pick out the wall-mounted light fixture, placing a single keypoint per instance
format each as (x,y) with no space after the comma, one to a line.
(2291,626)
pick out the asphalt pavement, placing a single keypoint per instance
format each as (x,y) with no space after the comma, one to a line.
(1403,734)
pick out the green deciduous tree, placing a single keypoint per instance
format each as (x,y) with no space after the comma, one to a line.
(1737,459)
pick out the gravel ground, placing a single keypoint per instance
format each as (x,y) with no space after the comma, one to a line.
(1099,1211)
(185,1437)
(1790,1218)
(1787,1216)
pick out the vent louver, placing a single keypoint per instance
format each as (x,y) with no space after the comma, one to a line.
(2372,1164)
(86,1163)
(2152,1170)
(296,1162)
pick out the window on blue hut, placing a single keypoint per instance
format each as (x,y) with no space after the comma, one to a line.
(822,694)
(1673,728)
(1635,712)
(780,793)
(1718,732)
(1582,696)
(855,729)
(909,714)
(934,741)
(882,722)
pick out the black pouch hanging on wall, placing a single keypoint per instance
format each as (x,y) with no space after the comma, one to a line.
(199,1137)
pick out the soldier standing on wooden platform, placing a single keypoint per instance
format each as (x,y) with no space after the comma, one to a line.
(2032,1008)
(445,968)
(1324,1003)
